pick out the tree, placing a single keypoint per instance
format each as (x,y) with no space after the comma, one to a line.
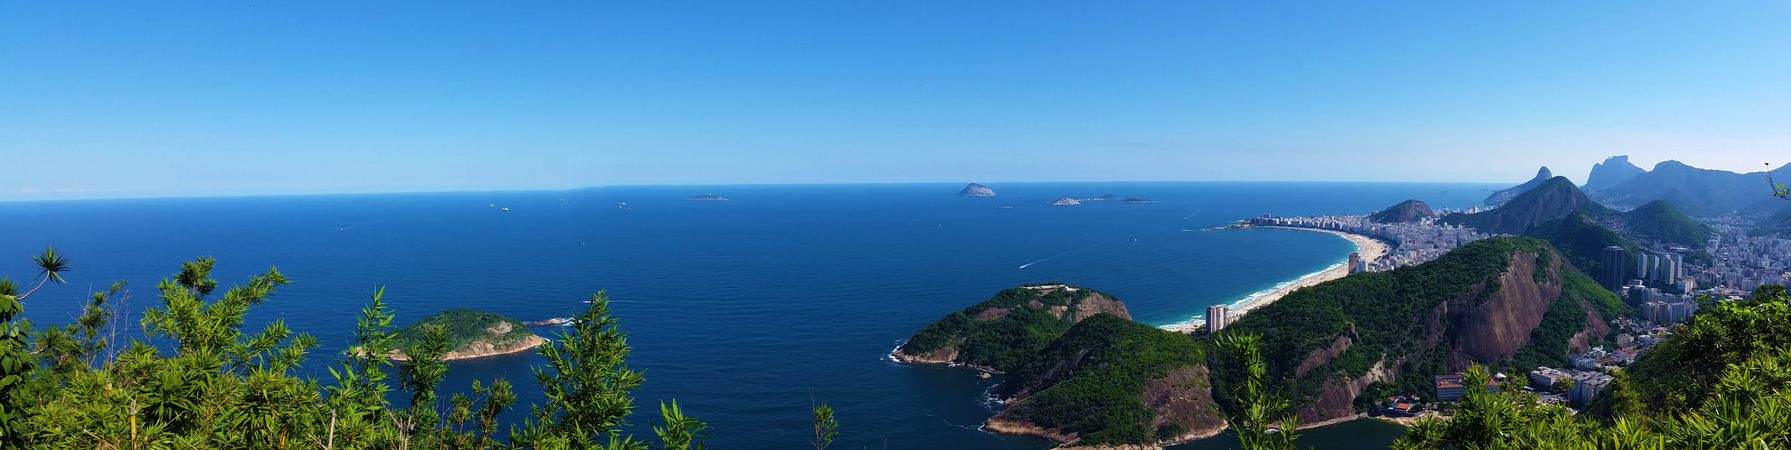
(587,385)
(826,426)
(1257,411)
(199,381)
(1562,386)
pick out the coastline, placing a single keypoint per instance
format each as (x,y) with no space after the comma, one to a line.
(1370,249)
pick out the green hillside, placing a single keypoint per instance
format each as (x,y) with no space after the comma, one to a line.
(1660,221)
(1582,241)
(1383,316)
(1003,331)
(1553,199)
(1091,381)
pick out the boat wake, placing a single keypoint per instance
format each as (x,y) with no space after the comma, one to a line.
(1060,255)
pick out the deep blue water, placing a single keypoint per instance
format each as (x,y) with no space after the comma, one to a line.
(742,310)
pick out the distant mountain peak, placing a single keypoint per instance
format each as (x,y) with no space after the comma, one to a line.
(1551,199)
(1500,197)
(1613,171)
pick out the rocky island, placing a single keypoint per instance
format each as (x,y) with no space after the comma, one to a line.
(1066,201)
(976,190)
(471,334)
(1135,201)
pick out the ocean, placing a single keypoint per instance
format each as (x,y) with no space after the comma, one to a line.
(746,311)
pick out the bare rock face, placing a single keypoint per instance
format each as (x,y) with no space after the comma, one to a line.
(976,190)
(1488,323)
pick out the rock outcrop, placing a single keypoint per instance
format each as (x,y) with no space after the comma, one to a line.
(976,190)
(1613,171)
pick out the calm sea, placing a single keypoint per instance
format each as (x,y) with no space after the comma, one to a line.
(745,310)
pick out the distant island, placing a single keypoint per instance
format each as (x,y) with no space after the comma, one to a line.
(1135,201)
(1066,201)
(472,334)
(707,198)
(976,190)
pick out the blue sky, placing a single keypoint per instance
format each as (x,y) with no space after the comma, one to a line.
(188,98)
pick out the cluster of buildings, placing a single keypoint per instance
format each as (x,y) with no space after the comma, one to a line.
(1660,307)
(1741,262)
(1412,243)
(1586,383)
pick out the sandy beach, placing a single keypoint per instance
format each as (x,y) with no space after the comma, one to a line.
(1371,249)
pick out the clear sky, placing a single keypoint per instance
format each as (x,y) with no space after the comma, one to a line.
(123,99)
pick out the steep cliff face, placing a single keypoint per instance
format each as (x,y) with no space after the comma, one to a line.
(1504,302)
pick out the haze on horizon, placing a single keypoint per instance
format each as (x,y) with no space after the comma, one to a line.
(131,100)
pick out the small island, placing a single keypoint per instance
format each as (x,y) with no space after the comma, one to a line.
(1066,201)
(707,198)
(1135,201)
(471,334)
(976,190)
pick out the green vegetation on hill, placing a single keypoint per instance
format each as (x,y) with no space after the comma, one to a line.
(1091,381)
(1383,315)
(1582,241)
(464,327)
(1552,199)
(1015,325)
(1660,221)
(1406,211)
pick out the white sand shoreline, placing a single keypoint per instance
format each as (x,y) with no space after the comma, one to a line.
(1371,249)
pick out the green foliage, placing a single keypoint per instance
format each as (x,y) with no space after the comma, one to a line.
(827,427)
(1582,241)
(1658,220)
(462,328)
(1384,317)
(1261,420)
(1005,342)
(221,388)
(1091,381)
(587,384)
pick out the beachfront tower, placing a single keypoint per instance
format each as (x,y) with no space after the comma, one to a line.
(1613,268)
(1356,264)
(1216,318)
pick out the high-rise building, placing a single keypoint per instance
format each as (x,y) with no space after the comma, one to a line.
(1613,267)
(1216,318)
(1355,263)
(1642,267)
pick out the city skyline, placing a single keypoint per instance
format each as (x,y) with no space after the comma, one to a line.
(110,101)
